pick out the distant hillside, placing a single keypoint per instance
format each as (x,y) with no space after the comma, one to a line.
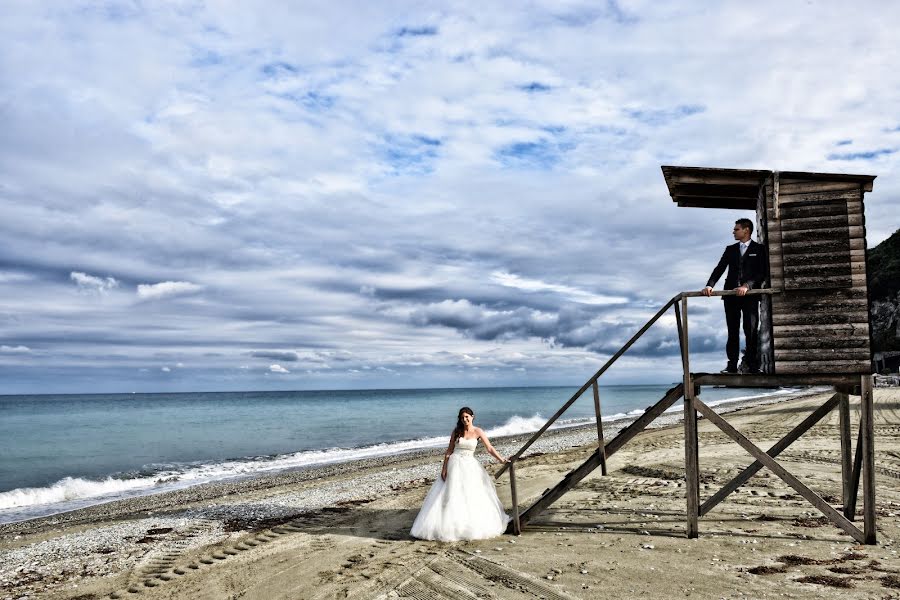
(884,293)
(884,268)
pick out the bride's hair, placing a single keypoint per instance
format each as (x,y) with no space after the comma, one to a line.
(460,429)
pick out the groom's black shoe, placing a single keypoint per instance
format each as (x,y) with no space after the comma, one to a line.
(730,369)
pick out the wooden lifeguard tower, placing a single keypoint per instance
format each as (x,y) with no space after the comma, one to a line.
(814,331)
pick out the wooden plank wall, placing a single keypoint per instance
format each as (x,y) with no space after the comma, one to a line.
(766,349)
(816,240)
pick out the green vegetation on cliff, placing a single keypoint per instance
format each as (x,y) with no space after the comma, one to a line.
(884,293)
(884,268)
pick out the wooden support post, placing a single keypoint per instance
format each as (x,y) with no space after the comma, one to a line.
(846,451)
(774,451)
(517,526)
(691,466)
(600,444)
(833,515)
(866,417)
(691,458)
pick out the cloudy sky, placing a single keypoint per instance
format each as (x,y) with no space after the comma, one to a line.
(231,195)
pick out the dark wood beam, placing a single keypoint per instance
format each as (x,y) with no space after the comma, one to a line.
(866,421)
(776,380)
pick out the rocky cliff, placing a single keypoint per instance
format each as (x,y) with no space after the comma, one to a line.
(884,293)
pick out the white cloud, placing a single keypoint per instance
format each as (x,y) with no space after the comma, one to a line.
(91,283)
(277,369)
(570,293)
(166,289)
(15,350)
(489,189)
(14,277)
(165,369)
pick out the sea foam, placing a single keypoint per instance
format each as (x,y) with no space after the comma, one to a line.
(70,493)
(76,492)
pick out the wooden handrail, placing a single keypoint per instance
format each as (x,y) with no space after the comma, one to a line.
(759,292)
(615,357)
(590,382)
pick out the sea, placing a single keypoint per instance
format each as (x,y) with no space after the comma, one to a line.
(63,452)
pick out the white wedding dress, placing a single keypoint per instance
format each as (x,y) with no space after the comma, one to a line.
(465,506)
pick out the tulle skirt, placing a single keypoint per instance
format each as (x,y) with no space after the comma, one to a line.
(464,507)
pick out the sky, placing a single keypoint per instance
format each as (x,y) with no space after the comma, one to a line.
(202,196)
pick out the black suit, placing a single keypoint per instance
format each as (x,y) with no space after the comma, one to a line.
(748,270)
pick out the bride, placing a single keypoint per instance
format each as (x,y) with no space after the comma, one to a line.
(462,504)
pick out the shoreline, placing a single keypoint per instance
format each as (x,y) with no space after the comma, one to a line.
(553,440)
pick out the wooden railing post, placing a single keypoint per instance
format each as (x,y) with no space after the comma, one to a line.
(517,527)
(601,446)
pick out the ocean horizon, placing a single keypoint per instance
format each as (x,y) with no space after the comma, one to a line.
(60,452)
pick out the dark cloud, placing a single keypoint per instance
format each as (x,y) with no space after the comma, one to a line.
(287,356)
(422,30)
(570,327)
(535,86)
(864,155)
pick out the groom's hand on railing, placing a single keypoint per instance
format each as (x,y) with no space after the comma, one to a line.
(744,290)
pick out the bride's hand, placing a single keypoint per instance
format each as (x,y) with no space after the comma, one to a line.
(443,474)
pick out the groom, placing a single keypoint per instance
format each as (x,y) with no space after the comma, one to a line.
(746,264)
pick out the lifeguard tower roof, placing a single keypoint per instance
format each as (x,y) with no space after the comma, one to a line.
(813,228)
(703,187)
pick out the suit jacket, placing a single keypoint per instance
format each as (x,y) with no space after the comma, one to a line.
(749,269)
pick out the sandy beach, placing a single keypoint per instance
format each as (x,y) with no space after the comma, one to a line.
(341,531)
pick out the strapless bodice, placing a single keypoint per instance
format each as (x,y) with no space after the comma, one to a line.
(464,446)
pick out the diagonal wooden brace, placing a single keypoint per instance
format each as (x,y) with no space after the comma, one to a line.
(853,492)
(612,446)
(767,461)
(774,451)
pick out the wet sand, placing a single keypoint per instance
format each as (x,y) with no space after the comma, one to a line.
(342,531)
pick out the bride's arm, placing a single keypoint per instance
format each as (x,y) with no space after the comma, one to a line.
(489,447)
(447,455)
